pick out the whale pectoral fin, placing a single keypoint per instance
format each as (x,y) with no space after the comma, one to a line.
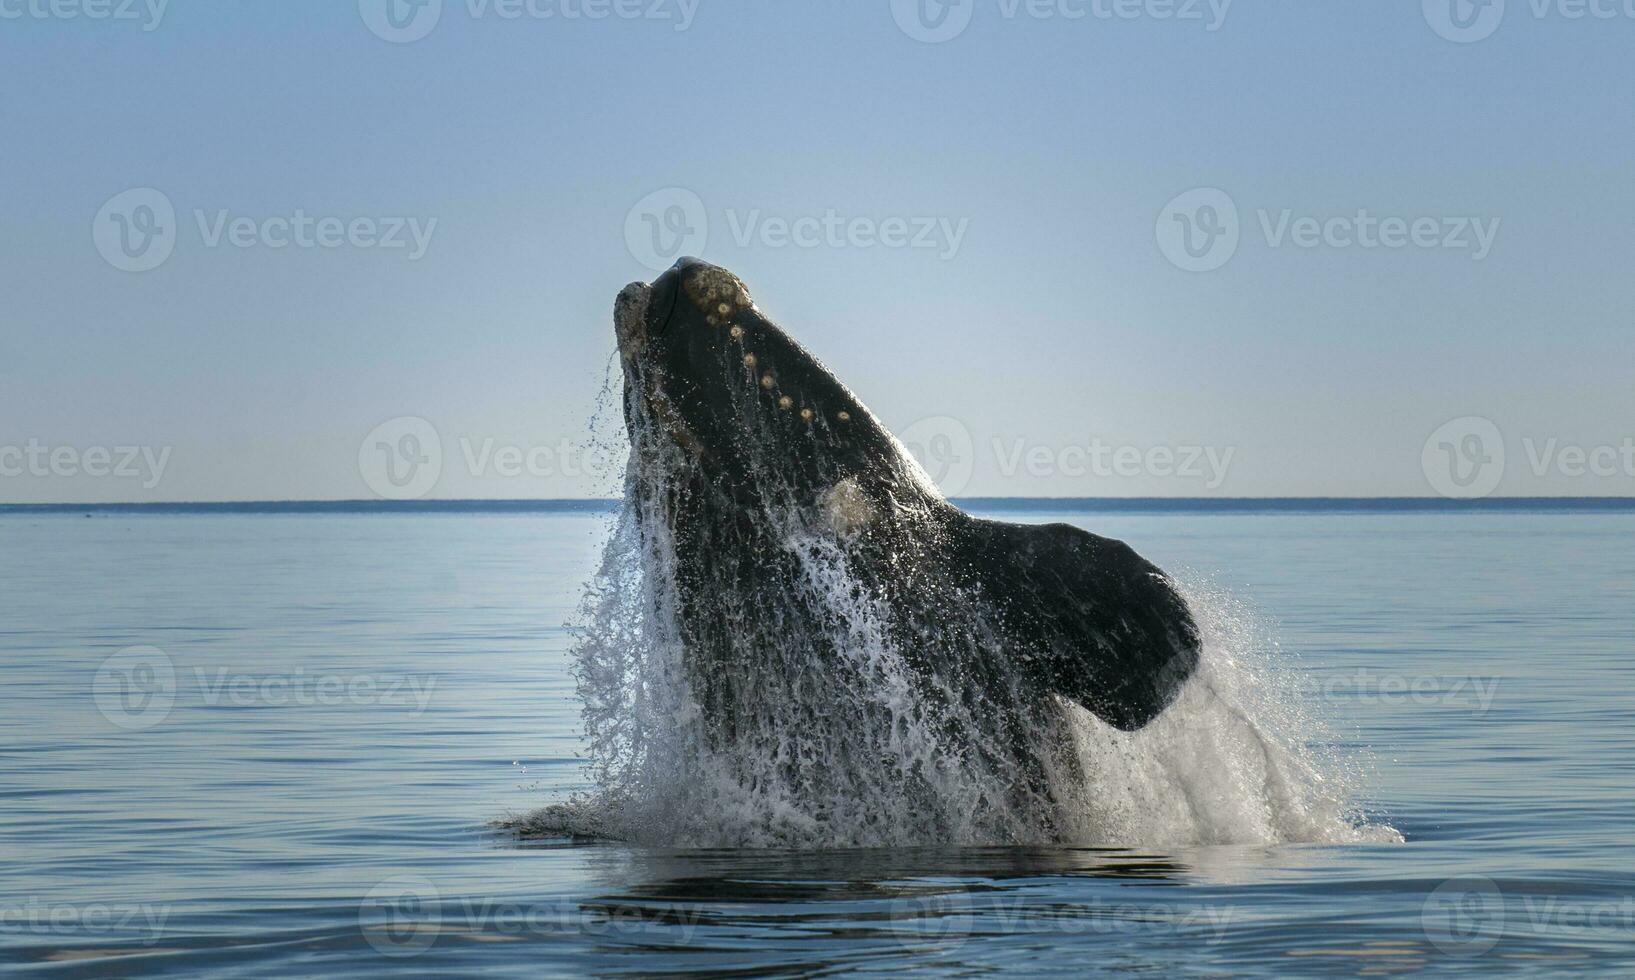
(1093,621)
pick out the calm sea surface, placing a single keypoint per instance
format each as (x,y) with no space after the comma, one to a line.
(276,744)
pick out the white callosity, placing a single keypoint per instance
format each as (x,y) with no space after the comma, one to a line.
(846,509)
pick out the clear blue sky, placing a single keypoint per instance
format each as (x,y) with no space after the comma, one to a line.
(1055,145)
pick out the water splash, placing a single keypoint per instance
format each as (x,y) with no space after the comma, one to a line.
(1239,758)
(861,757)
(807,700)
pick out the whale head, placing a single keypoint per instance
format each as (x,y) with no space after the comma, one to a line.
(766,482)
(707,371)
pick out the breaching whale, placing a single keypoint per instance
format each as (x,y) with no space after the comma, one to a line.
(832,609)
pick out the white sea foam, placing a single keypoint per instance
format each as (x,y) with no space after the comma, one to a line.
(1241,757)
(1236,760)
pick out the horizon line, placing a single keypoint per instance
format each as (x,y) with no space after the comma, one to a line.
(354,505)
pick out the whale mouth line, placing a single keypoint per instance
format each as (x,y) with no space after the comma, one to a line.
(636,319)
(662,325)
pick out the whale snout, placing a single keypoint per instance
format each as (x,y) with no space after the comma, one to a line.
(630,317)
(705,366)
(692,293)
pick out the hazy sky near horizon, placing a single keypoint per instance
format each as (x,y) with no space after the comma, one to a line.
(1077,248)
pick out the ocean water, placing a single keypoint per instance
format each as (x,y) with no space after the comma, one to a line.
(292,744)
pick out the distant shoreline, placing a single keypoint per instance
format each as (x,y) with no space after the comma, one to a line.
(1107,505)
